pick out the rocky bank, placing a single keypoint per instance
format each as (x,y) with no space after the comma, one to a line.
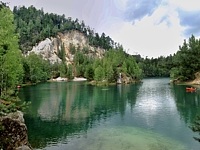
(13,132)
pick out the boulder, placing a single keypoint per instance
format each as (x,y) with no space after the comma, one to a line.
(13,132)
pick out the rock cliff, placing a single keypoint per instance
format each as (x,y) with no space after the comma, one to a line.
(13,132)
(50,48)
(46,49)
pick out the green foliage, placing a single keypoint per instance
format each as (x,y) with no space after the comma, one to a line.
(116,61)
(81,62)
(156,67)
(89,72)
(105,69)
(182,66)
(62,69)
(99,73)
(11,70)
(72,49)
(85,50)
(186,61)
(11,67)
(70,72)
(61,53)
(57,70)
(11,103)
(36,68)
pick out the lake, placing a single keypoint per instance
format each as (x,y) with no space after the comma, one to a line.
(152,115)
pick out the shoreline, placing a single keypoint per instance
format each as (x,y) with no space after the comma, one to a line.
(195,82)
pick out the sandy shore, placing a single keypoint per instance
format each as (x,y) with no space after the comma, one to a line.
(79,79)
(59,79)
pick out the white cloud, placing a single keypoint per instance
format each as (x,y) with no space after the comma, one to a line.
(150,36)
(188,5)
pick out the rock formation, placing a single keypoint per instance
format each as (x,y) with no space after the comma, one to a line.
(46,49)
(49,48)
(13,132)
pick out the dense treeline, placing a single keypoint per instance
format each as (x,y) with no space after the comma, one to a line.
(34,25)
(181,66)
(116,61)
(106,69)
(186,60)
(155,67)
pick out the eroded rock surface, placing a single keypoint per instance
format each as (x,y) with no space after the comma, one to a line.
(13,132)
(50,48)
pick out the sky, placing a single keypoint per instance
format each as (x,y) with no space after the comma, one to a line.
(151,28)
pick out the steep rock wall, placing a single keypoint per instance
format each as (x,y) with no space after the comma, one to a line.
(50,48)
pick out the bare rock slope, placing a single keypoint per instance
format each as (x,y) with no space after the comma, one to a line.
(50,48)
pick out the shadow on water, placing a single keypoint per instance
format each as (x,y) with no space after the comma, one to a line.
(65,109)
(187,103)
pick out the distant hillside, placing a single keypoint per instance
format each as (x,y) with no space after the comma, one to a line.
(34,26)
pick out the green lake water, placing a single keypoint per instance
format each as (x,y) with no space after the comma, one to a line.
(152,115)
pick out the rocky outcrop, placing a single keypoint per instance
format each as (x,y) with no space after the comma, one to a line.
(13,132)
(46,49)
(80,41)
(50,48)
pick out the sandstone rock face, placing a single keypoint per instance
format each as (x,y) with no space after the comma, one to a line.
(13,132)
(46,49)
(49,48)
(78,40)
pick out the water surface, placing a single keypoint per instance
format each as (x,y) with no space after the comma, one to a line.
(153,115)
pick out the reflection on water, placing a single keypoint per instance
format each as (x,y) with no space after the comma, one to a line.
(187,103)
(74,115)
